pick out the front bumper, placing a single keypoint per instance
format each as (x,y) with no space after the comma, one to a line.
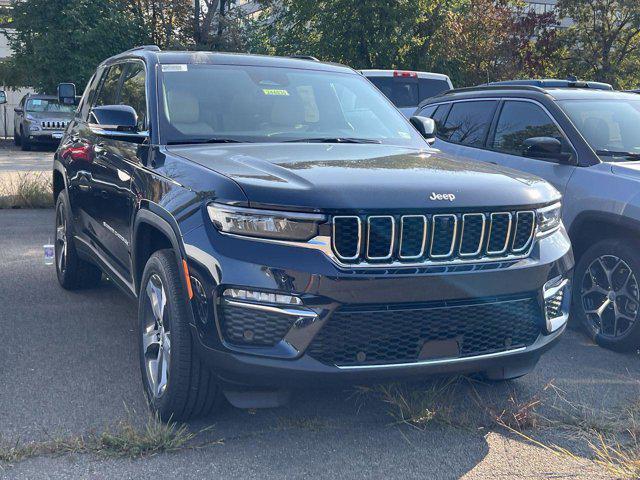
(46,136)
(219,262)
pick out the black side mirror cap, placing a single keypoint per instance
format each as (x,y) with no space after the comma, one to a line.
(119,118)
(425,126)
(545,148)
(67,93)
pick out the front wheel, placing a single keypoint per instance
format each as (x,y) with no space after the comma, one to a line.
(24,142)
(177,384)
(607,293)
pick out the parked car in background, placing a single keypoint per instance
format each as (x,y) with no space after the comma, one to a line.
(40,120)
(282,225)
(407,89)
(586,142)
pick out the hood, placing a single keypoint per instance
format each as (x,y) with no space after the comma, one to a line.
(628,169)
(362,176)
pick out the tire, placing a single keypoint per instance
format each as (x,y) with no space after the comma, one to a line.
(177,384)
(24,142)
(606,296)
(73,272)
(16,138)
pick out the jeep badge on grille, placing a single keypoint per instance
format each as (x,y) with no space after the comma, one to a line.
(442,196)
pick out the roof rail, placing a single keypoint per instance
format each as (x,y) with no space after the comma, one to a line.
(149,48)
(304,57)
(494,87)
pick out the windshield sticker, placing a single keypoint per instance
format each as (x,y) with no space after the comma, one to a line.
(174,67)
(37,102)
(279,92)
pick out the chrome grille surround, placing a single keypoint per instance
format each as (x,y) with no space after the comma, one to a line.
(434,220)
(520,215)
(53,124)
(491,231)
(432,226)
(391,241)
(425,229)
(464,221)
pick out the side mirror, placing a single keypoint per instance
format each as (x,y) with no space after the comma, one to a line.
(3,97)
(426,126)
(67,93)
(18,110)
(545,148)
(119,122)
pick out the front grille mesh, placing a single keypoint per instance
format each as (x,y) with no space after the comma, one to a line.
(245,326)
(441,237)
(379,336)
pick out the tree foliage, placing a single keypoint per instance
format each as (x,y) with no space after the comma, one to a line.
(471,40)
(603,41)
(63,40)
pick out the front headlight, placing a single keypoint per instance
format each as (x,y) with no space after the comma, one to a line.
(31,118)
(549,218)
(264,223)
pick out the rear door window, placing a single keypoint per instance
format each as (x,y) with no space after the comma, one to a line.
(519,121)
(468,122)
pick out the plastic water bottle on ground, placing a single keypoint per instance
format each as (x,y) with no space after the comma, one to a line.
(48,254)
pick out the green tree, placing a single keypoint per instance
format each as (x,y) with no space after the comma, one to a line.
(603,41)
(64,40)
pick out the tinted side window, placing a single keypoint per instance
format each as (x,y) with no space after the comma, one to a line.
(133,92)
(109,89)
(428,111)
(87,98)
(468,122)
(522,120)
(439,115)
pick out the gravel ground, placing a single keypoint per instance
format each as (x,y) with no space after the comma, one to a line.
(68,366)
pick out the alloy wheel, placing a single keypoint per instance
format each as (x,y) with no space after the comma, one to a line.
(156,337)
(61,240)
(610,296)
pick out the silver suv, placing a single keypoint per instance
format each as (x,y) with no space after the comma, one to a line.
(40,119)
(586,142)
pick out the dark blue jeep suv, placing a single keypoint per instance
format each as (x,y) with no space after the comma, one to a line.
(281,224)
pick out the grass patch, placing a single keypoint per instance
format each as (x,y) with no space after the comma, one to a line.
(26,190)
(419,407)
(123,440)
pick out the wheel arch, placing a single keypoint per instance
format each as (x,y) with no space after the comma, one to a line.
(592,226)
(154,229)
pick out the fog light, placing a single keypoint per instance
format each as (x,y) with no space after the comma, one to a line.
(34,128)
(261,297)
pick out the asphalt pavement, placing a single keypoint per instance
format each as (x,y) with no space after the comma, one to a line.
(68,366)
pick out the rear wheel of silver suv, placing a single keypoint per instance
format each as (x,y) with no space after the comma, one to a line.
(607,294)
(177,384)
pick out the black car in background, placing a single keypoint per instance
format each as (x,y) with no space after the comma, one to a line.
(281,225)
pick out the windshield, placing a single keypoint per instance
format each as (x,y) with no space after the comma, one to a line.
(226,103)
(611,127)
(42,105)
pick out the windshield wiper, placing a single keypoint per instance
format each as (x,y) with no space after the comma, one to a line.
(333,140)
(210,140)
(612,153)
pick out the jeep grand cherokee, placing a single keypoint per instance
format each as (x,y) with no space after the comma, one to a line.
(281,224)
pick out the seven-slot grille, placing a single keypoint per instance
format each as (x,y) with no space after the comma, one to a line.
(54,125)
(438,237)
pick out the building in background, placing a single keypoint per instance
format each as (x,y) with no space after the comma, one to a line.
(546,6)
(13,96)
